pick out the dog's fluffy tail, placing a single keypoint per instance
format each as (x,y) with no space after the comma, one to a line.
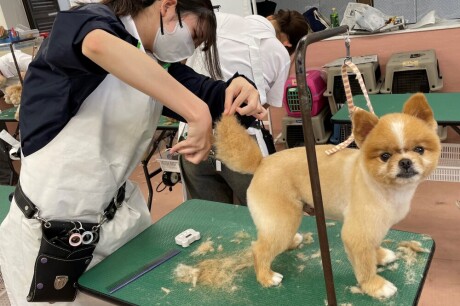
(235,147)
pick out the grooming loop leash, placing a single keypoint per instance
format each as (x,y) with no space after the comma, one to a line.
(351,106)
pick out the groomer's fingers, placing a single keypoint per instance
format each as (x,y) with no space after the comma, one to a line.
(231,92)
(191,154)
(238,92)
(198,143)
(237,102)
(260,114)
(184,148)
(188,146)
(195,158)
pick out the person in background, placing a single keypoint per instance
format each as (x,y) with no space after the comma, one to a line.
(259,48)
(8,68)
(91,101)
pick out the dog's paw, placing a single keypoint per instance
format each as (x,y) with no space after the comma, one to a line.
(387,290)
(298,238)
(385,256)
(379,288)
(276,279)
(271,280)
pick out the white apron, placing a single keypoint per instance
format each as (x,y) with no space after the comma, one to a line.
(75,176)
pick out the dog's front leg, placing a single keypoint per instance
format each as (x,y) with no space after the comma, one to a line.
(363,252)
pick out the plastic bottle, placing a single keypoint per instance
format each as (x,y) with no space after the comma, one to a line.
(334,18)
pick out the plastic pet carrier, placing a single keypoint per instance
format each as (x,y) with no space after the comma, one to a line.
(293,134)
(370,71)
(410,72)
(316,84)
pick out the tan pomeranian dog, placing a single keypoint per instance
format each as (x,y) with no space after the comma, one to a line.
(370,189)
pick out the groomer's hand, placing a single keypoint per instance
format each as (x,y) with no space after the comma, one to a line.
(197,146)
(242,97)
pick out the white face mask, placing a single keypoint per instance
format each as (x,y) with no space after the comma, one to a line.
(175,46)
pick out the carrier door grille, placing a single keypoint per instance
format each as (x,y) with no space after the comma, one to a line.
(339,92)
(294,136)
(410,81)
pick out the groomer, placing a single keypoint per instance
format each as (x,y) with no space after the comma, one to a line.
(91,102)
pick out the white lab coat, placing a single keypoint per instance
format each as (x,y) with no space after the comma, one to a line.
(115,124)
(248,45)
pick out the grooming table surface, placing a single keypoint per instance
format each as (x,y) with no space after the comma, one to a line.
(446,106)
(167,123)
(7,115)
(5,191)
(303,282)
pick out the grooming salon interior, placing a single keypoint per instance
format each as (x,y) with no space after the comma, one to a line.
(263,152)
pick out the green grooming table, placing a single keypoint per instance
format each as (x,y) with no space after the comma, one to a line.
(303,282)
(446,107)
(5,192)
(7,115)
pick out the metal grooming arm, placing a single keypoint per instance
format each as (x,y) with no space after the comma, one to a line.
(305,107)
(16,64)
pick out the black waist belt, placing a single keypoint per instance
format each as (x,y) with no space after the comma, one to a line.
(30,210)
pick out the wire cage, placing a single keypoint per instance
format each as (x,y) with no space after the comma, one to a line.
(448,169)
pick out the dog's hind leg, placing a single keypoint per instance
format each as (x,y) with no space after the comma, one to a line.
(272,240)
(264,254)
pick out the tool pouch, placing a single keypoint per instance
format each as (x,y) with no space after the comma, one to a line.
(59,265)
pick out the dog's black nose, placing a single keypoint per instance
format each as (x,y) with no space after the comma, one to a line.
(405,163)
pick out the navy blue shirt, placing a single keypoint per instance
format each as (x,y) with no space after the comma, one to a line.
(60,77)
(207,89)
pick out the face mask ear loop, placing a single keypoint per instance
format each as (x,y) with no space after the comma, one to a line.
(178,16)
(161,25)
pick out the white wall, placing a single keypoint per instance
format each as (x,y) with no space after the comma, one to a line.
(2,18)
(13,13)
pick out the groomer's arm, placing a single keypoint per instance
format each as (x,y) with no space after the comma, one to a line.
(215,92)
(137,69)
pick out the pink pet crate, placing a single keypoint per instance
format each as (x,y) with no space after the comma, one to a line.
(316,85)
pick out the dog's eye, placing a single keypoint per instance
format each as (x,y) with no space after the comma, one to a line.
(419,150)
(385,156)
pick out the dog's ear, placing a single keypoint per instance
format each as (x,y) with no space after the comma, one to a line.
(363,122)
(418,106)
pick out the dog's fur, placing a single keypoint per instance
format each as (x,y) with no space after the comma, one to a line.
(13,96)
(370,189)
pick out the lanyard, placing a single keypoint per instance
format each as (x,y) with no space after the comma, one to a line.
(351,106)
